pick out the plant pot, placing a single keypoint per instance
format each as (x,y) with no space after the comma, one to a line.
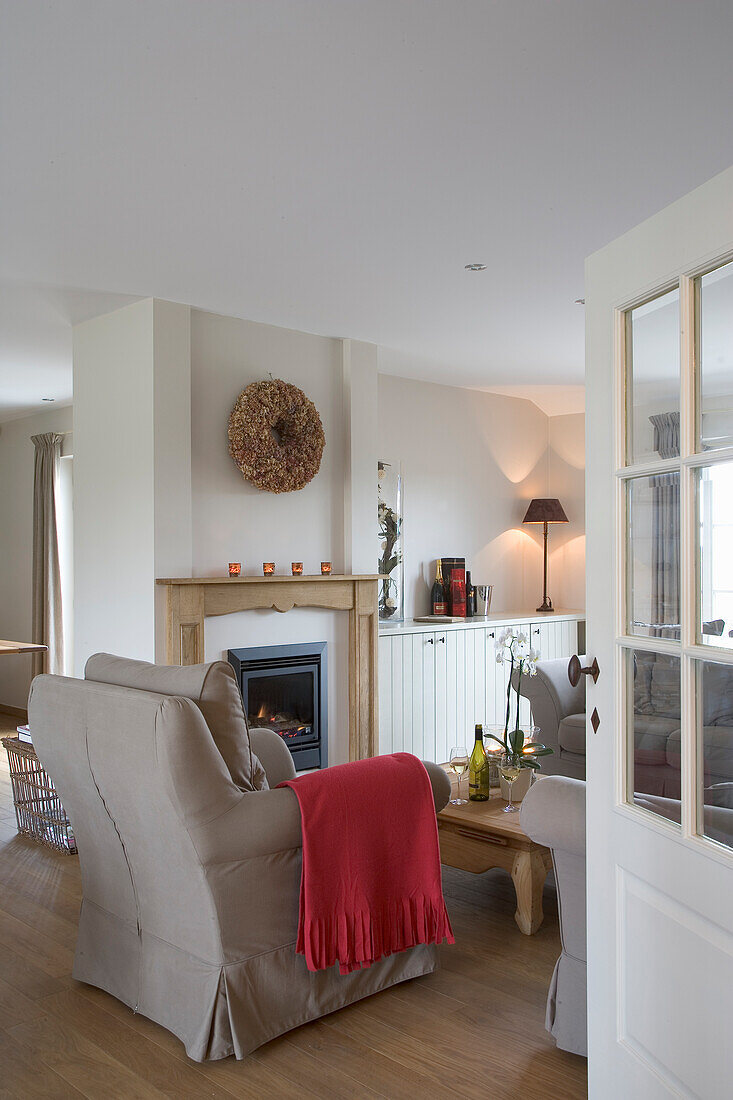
(520,786)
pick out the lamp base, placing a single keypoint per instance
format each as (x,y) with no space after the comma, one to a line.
(546,605)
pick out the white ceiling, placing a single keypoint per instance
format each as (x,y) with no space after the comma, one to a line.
(332,166)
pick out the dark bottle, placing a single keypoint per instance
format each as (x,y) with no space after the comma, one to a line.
(478,770)
(470,596)
(438,605)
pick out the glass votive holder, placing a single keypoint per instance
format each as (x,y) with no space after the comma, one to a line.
(297,568)
(235,568)
(268,568)
(325,568)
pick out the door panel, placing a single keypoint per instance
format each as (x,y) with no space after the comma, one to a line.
(659,882)
(444,712)
(492,688)
(449,654)
(480,663)
(386,695)
(409,675)
(426,653)
(397,655)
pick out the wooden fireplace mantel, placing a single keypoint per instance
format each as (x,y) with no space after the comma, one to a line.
(191,599)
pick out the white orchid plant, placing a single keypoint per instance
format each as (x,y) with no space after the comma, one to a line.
(513,648)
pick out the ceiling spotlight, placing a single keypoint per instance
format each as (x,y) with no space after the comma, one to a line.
(475,267)
(48,399)
(580,301)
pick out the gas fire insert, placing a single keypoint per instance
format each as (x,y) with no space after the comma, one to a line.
(284,688)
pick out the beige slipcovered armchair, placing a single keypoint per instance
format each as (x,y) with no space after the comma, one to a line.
(190,864)
(553,814)
(558,709)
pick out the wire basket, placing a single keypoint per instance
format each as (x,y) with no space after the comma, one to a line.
(38,809)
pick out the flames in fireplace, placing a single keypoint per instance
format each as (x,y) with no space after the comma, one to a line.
(286,725)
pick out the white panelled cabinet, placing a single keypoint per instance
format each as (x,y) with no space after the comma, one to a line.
(435,685)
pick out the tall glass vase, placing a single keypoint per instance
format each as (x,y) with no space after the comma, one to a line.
(389,557)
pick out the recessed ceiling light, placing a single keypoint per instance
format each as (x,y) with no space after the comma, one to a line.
(48,399)
(475,267)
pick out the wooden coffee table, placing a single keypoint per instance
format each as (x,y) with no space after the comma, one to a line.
(479,836)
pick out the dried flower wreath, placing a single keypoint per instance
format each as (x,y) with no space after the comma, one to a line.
(276,436)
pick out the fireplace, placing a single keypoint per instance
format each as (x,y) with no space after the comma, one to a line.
(284,688)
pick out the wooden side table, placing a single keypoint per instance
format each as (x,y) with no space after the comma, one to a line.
(479,836)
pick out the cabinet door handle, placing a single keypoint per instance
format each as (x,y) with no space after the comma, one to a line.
(491,634)
(536,630)
(430,641)
(441,639)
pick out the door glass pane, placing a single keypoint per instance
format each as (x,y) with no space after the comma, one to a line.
(654,733)
(715,602)
(653,511)
(716,358)
(653,379)
(715,739)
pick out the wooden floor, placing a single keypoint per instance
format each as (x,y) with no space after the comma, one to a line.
(473,1029)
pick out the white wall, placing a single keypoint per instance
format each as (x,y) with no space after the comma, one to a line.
(360,362)
(131,473)
(157,493)
(234,521)
(566,481)
(471,461)
(16,541)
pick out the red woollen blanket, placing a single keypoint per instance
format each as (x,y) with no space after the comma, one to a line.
(370,883)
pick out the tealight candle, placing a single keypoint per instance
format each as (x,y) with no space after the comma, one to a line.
(235,568)
(268,568)
(325,568)
(297,568)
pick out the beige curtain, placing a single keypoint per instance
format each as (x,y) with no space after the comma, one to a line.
(47,618)
(666,530)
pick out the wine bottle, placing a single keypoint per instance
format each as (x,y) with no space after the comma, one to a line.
(457,594)
(478,770)
(470,596)
(437,596)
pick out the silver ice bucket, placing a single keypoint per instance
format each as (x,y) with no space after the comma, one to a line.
(483,599)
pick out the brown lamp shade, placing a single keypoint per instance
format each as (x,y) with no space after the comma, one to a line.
(545,510)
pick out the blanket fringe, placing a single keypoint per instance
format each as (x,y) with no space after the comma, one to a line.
(366,936)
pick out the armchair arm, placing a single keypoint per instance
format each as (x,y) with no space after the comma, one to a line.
(264,822)
(273,754)
(261,823)
(440,783)
(553,813)
(552,697)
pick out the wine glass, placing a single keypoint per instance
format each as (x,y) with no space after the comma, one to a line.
(510,769)
(458,764)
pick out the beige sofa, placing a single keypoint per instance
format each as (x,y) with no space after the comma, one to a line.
(190,864)
(559,710)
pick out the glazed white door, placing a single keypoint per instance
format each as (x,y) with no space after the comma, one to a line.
(659,520)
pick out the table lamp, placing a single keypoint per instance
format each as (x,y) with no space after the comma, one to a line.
(548,510)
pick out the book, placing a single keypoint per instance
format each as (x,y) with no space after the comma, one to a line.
(438,619)
(24,734)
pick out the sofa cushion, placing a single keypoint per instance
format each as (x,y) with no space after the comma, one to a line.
(717,753)
(213,687)
(665,686)
(717,695)
(651,734)
(571,734)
